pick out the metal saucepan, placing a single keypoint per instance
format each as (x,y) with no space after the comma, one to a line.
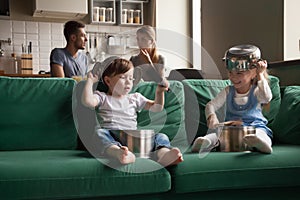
(140,142)
(231,137)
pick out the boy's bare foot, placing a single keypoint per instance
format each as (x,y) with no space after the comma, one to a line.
(125,156)
(121,153)
(253,141)
(167,157)
(200,142)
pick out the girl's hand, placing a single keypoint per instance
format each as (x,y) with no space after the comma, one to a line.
(261,67)
(145,53)
(92,77)
(212,121)
(233,123)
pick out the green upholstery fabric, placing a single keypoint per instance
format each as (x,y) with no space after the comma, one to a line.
(171,121)
(275,102)
(238,170)
(36,114)
(202,91)
(62,174)
(199,92)
(287,123)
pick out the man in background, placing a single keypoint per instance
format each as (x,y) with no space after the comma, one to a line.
(69,61)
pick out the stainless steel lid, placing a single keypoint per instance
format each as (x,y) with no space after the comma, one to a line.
(242,57)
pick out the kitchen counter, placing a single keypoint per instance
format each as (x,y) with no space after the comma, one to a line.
(27,75)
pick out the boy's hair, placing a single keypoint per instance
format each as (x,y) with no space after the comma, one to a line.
(118,66)
(71,27)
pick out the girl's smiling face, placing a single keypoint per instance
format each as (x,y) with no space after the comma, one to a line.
(242,80)
(120,84)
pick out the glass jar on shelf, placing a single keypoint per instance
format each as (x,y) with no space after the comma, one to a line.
(109,14)
(137,16)
(124,16)
(96,14)
(102,14)
(130,16)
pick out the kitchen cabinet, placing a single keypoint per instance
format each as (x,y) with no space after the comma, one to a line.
(102,11)
(66,9)
(130,12)
(121,12)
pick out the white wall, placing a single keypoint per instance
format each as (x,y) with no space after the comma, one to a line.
(173,32)
(291,29)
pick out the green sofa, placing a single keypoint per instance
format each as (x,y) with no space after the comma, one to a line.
(48,149)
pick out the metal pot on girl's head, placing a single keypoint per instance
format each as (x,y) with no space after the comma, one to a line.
(242,57)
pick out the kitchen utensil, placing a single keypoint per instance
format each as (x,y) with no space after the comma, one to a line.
(242,57)
(140,142)
(231,137)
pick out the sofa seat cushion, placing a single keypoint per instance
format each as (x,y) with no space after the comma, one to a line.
(69,174)
(36,113)
(237,170)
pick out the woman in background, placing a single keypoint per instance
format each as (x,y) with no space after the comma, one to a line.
(148,60)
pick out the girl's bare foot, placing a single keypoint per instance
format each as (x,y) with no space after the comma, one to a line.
(167,157)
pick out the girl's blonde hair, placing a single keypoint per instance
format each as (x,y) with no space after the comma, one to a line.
(150,32)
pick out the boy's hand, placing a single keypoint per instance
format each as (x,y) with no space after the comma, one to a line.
(163,85)
(92,77)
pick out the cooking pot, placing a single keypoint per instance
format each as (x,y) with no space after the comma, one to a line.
(231,138)
(139,142)
(242,57)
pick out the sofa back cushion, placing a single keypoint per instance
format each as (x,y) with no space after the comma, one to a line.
(171,120)
(287,123)
(198,93)
(201,91)
(36,113)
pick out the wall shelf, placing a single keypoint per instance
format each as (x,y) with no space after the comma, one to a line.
(102,12)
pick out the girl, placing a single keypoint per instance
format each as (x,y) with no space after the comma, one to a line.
(243,99)
(117,110)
